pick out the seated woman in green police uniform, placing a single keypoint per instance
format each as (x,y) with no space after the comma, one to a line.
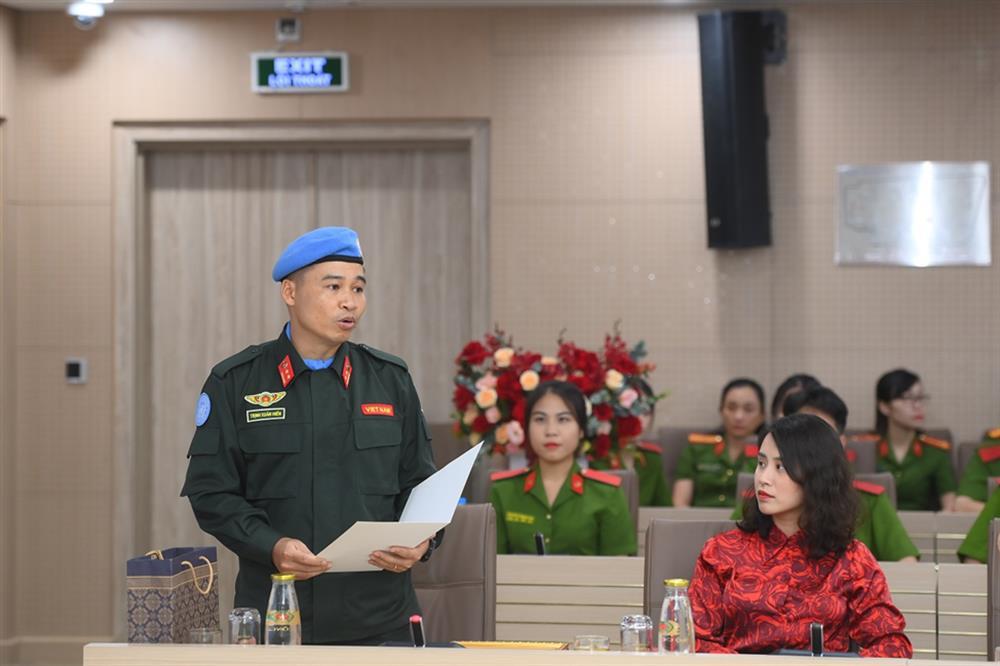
(978,471)
(573,511)
(921,464)
(975,548)
(793,384)
(708,466)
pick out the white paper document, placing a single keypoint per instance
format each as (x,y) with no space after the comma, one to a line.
(430,507)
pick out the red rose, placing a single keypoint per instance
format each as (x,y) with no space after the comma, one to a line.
(473,353)
(523,361)
(629,426)
(617,356)
(462,398)
(585,383)
(481,425)
(603,412)
(602,445)
(509,386)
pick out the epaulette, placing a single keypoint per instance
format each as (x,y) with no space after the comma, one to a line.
(703,438)
(650,447)
(751,450)
(993,434)
(942,444)
(508,473)
(609,479)
(236,360)
(989,453)
(867,487)
(385,356)
(865,437)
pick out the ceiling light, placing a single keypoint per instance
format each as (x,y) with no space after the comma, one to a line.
(88,9)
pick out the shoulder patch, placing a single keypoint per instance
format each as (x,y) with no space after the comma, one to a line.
(865,437)
(868,487)
(704,438)
(942,444)
(236,360)
(989,454)
(993,434)
(509,473)
(651,447)
(750,450)
(384,356)
(609,479)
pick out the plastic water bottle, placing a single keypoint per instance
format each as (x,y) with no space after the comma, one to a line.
(676,624)
(283,625)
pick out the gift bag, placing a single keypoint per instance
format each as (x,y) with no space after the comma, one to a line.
(171,592)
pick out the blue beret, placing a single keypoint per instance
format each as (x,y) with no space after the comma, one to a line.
(323,244)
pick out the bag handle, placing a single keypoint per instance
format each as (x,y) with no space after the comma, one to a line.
(155,554)
(211,575)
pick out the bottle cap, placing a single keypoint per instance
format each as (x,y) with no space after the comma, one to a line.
(282,577)
(676,582)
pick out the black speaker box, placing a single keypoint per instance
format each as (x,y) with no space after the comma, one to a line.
(733,46)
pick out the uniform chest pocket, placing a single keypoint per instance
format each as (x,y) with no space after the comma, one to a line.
(378,440)
(273,460)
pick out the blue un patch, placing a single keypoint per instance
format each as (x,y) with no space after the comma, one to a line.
(203,409)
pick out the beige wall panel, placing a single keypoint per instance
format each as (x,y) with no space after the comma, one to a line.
(409,64)
(64,277)
(67,537)
(8,34)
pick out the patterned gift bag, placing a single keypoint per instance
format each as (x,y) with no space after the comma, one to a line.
(171,592)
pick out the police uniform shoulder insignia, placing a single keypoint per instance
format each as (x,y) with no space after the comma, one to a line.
(942,444)
(384,356)
(236,360)
(865,437)
(649,447)
(750,451)
(868,487)
(852,455)
(202,410)
(993,434)
(703,438)
(609,479)
(509,473)
(989,454)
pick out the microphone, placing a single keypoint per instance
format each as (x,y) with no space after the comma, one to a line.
(539,543)
(417,631)
(816,638)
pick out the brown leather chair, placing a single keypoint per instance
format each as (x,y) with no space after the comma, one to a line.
(445,445)
(744,483)
(993,591)
(963,454)
(672,549)
(630,488)
(864,452)
(457,588)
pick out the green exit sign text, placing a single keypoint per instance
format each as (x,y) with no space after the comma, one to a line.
(298,72)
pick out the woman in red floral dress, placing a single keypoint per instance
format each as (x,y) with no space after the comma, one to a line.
(793,560)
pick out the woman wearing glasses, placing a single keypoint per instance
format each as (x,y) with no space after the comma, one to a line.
(920,464)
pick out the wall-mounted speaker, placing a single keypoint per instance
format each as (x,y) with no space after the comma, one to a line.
(734,46)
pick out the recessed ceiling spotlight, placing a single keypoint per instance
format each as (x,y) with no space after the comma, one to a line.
(85,14)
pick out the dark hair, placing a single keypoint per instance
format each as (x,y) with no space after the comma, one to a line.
(793,384)
(568,392)
(890,386)
(812,455)
(740,382)
(821,399)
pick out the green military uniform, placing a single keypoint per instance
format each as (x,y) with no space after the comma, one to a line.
(706,462)
(981,467)
(977,540)
(653,489)
(922,476)
(878,527)
(589,516)
(284,451)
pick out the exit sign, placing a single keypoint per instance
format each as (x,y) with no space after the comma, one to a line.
(298,72)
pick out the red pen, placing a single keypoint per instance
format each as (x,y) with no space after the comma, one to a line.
(417,631)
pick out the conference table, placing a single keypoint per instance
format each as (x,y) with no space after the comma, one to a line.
(120,654)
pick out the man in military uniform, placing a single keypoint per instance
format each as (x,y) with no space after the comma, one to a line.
(588,517)
(298,438)
(706,461)
(983,465)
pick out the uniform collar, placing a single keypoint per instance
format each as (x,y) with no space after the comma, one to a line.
(915,449)
(284,349)
(573,485)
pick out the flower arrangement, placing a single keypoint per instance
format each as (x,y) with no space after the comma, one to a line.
(491,383)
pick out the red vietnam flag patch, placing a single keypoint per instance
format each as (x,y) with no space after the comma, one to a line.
(377,409)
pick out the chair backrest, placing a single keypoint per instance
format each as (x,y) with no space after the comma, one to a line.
(864,455)
(744,484)
(672,549)
(630,488)
(673,440)
(457,588)
(445,445)
(963,454)
(993,591)
(477,487)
